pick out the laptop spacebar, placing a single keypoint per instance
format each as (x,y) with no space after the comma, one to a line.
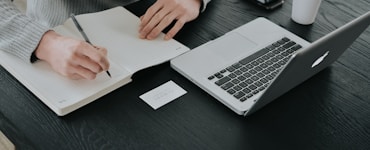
(254,56)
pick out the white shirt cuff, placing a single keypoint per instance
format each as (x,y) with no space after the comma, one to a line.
(205,2)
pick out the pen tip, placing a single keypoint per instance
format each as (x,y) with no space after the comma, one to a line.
(109,74)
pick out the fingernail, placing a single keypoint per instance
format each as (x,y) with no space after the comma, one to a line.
(150,37)
(142,36)
(167,37)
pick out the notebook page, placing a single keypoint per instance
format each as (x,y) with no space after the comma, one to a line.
(117,30)
(55,90)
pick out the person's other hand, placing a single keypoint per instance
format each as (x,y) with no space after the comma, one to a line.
(72,58)
(163,12)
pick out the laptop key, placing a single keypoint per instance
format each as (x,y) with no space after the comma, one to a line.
(285,53)
(252,71)
(237,88)
(247,75)
(281,42)
(235,81)
(277,65)
(276,44)
(249,81)
(232,75)
(282,62)
(237,65)
(285,39)
(274,59)
(249,66)
(269,62)
(281,49)
(246,90)
(227,86)
(222,81)
(279,57)
(269,77)
(261,88)
(270,54)
(289,44)
(243,69)
(219,75)
(230,69)
(243,84)
(265,57)
(241,78)
(211,77)
(290,50)
(271,47)
(231,91)
(260,60)
(266,71)
(254,56)
(239,95)
(264,80)
(254,78)
(260,75)
(258,84)
(263,65)
(243,99)
(296,47)
(252,87)
(238,72)
(271,68)
(255,63)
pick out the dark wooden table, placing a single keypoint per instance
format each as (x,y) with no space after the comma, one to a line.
(329,111)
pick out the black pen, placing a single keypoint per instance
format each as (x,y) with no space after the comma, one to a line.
(83,34)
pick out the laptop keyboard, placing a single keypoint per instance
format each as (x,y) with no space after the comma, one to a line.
(253,74)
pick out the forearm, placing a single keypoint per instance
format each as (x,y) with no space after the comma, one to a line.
(19,34)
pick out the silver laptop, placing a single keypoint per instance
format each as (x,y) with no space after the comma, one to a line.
(254,64)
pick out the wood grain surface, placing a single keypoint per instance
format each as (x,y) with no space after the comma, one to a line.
(331,110)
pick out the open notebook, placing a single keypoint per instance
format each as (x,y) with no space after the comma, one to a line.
(117,30)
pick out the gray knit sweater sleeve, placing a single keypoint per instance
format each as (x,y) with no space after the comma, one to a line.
(19,34)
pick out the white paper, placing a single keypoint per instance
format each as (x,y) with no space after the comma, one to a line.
(163,94)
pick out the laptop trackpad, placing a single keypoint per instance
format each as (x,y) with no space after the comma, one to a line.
(231,46)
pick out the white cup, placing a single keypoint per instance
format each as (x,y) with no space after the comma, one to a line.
(305,11)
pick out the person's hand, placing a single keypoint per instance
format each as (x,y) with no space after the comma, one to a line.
(72,58)
(163,12)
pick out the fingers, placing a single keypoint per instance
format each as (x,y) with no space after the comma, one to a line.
(89,61)
(72,58)
(94,58)
(159,22)
(162,13)
(79,72)
(83,61)
(176,28)
(76,77)
(150,13)
(155,20)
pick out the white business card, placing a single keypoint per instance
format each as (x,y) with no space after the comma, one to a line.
(162,94)
(5,143)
